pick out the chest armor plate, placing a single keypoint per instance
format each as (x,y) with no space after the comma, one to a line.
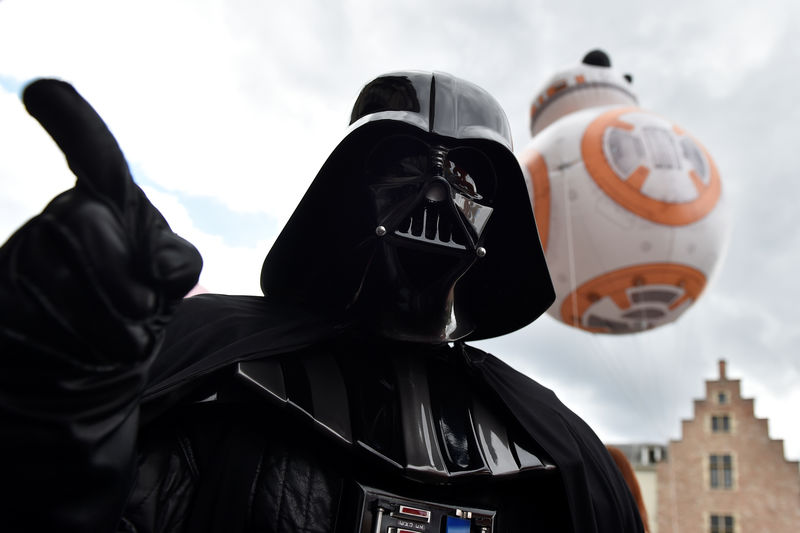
(421,415)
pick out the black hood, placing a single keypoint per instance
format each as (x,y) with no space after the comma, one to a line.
(323,252)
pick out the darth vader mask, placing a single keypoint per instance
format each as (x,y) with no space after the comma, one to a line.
(419,226)
(432,204)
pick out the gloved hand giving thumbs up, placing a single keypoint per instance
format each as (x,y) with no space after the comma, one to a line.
(86,290)
(97,274)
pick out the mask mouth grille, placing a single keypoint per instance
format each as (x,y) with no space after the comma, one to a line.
(432,222)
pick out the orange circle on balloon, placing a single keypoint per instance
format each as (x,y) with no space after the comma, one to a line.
(540,196)
(627,190)
(686,283)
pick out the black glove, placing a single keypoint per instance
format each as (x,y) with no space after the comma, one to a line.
(97,274)
(86,290)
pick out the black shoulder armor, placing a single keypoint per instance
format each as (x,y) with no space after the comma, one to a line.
(421,413)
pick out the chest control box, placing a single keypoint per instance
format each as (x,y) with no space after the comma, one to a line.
(383,512)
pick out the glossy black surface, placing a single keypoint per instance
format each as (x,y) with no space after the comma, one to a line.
(476,295)
(417,413)
(439,102)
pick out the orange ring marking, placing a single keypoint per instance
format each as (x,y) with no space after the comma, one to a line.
(621,124)
(698,183)
(615,284)
(627,194)
(620,299)
(638,177)
(556,87)
(540,196)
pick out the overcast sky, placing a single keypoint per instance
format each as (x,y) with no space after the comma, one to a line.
(226,110)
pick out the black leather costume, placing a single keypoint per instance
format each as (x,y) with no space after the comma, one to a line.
(345,399)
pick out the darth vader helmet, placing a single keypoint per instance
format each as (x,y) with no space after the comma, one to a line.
(419,224)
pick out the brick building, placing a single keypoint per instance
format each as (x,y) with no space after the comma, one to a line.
(725,475)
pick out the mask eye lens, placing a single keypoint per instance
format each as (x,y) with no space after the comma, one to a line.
(395,173)
(471,174)
(397,159)
(462,180)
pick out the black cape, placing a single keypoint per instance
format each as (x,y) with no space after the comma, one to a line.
(212,332)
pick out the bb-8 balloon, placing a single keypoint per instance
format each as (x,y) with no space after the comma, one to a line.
(629,206)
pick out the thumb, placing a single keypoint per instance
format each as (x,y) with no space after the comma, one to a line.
(175,263)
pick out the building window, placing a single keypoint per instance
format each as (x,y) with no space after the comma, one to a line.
(721,471)
(653,455)
(721,523)
(722,397)
(720,423)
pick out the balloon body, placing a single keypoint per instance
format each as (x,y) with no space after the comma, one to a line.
(631,216)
